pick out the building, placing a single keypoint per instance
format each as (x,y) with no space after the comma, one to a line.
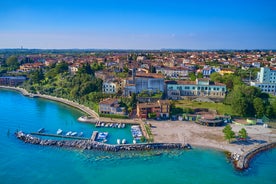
(266,80)
(12,81)
(207,71)
(173,72)
(144,82)
(30,66)
(113,86)
(161,109)
(111,106)
(200,87)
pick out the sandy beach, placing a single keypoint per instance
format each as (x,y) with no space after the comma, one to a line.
(211,137)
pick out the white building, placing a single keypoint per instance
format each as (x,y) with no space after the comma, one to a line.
(200,87)
(173,72)
(266,80)
(144,82)
(112,86)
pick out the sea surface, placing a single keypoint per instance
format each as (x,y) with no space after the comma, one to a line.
(26,163)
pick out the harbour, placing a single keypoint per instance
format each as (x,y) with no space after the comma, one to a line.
(97,166)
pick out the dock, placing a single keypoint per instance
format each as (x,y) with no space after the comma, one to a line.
(94,135)
(60,136)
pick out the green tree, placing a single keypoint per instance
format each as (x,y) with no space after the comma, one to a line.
(36,76)
(229,134)
(216,77)
(192,76)
(61,67)
(259,107)
(86,69)
(12,63)
(200,75)
(243,134)
(133,100)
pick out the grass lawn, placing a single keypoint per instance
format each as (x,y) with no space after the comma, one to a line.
(219,107)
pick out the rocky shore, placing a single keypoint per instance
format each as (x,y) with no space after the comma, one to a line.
(93,145)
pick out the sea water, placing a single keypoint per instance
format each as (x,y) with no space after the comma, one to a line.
(27,163)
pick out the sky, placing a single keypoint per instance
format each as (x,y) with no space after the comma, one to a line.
(138,24)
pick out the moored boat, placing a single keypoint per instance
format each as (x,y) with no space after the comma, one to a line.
(134,141)
(69,133)
(41,130)
(118,141)
(80,134)
(123,141)
(59,131)
(74,133)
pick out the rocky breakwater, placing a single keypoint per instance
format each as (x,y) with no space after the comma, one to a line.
(241,162)
(90,145)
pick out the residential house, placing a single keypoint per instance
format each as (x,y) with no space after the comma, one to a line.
(111,106)
(159,109)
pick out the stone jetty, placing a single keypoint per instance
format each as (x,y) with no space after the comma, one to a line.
(94,145)
(241,162)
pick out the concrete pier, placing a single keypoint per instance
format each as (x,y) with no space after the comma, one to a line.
(94,136)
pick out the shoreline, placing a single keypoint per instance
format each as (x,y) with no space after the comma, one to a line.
(76,105)
(240,158)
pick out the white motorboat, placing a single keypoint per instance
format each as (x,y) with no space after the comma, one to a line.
(134,141)
(123,141)
(74,133)
(69,133)
(119,125)
(59,131)
(123,125)
(118,141)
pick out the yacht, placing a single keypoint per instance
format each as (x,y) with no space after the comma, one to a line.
(59,131)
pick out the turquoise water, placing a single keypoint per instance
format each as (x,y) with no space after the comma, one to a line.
(26,163)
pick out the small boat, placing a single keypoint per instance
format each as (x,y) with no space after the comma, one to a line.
(119,126)
(59,131)
(134,141)
(102,135)
(106,125)
(80,134)
(69,133)
(118,141)
(102,124)
(74,133)
(41,130)
(123,125)
(111,125)
(123,141)
(104,140)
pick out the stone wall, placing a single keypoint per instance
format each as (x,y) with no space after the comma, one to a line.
(242,161)
(90,145)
